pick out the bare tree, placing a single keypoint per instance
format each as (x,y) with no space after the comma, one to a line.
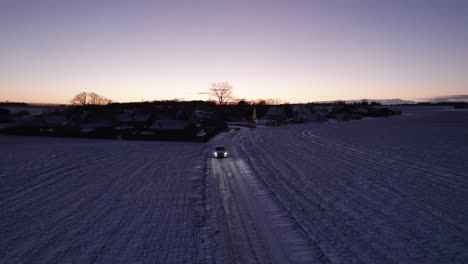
(96,99)
(80,99)
(221,92)
(85,98)
(275,101)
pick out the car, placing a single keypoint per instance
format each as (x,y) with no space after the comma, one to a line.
(220,152)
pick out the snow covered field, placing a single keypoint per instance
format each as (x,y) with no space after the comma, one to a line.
(390,190)
(97,201)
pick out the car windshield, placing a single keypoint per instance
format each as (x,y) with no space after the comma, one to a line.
(219,148)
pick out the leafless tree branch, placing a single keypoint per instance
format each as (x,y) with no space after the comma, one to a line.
(85,98)
(221,92)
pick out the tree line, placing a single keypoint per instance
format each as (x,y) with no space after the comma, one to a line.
(220,93)
(85,98)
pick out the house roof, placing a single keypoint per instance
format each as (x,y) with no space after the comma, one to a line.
(123,117)
(202,114)
(54,120)
(141,117)
(275,111)
(170,124)
(302,110)
(30,121)
(298,107)
(97,124)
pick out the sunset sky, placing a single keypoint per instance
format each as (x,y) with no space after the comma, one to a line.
(296,50)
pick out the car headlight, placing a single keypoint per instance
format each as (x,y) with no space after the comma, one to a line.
(216,154)
(225,153)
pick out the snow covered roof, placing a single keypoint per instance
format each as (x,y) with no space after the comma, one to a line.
(299,107)
(275,111)
(30,121)
(302,110)
(54,120)
(322,107)
(8,125)
(202,114)
(170,124)
(141,117)
(123,117)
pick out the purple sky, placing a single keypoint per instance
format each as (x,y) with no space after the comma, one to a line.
(295,50)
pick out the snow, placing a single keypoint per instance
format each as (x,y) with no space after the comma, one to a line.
(104,201)
(380,190)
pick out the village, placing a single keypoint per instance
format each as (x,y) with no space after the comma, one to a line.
(170,120)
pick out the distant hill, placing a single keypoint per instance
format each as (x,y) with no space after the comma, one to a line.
(450,98)
(395,101)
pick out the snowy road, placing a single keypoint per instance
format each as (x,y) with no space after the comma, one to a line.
(258,228)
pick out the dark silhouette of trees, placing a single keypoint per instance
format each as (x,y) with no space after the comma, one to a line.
(243,102)
(96,99)
(221,92)
(269,101)
(85,98)
(80,99)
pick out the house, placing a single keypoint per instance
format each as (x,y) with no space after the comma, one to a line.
(319,115)
(97,128)
(5,116)
(53,122)
(359,110)
(6,120)
(202,115)
(29,124)
(171,125)
(123,118)
(141,120)
(173,129)
(277,113)
(123,122)
(301,114)
(77,117)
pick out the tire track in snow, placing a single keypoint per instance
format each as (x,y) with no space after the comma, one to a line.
(297,176)
(296,204)
(239,235)
(43,180)
(381,162)
(410,214)
(440,173)
(253,215)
